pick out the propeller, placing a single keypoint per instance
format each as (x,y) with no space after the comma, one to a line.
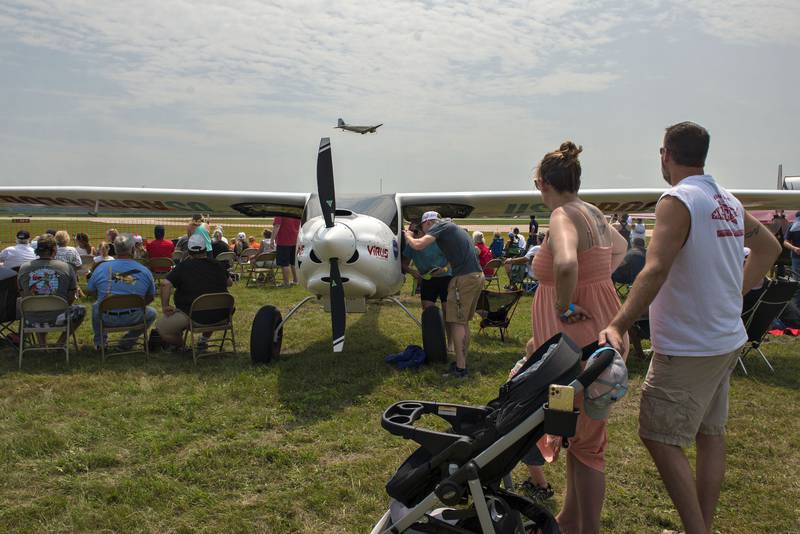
(327,201)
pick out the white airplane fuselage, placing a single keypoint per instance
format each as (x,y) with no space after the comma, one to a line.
(368,253)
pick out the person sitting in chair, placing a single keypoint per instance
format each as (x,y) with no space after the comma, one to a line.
(632,264)
(48,276)
(197,275)
(519,267)
(122,276)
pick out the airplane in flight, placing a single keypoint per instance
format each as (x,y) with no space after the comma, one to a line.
(358,129)
(348,247)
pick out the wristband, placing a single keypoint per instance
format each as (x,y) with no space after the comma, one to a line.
(567,313)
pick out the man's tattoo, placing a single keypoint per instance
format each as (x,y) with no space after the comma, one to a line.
(751,233)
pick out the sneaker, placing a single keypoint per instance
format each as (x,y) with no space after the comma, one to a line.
(456,372)
(534,492)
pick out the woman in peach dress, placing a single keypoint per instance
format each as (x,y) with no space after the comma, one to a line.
(576,297)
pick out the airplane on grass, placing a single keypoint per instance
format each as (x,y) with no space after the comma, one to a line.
(348,248)
(358,129)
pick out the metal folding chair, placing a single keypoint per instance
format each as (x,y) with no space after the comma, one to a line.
(497,265)
(160,267)
(212,301)
(263,269)
(118,304)
(245,257)
(44,303)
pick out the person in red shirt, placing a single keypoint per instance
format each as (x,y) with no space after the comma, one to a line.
(285,230)
(159,247)
(483,252)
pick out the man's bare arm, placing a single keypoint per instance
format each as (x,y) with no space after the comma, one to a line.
(672,227)
(764,250)
(421,243)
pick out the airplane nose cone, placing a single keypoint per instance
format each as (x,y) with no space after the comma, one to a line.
(336,242)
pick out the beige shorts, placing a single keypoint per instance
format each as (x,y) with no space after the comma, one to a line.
(685,395)
(462,297)
(173,325)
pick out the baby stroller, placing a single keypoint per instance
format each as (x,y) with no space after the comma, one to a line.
(479,450)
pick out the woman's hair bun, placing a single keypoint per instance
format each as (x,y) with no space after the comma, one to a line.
(570,150)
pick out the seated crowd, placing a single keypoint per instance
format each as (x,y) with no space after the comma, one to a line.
(120,265)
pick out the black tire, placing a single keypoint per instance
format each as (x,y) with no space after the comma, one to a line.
(433,338)
(263,345)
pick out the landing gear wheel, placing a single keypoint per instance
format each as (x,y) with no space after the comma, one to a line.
(264,346)
(433,338)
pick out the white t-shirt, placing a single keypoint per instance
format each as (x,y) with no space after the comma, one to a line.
(698,310)
(638,230)
(16,255)
(532,251)
(69,255)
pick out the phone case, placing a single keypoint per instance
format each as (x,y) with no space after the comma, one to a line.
(561,398)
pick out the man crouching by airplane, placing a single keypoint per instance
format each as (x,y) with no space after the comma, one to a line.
(465,286)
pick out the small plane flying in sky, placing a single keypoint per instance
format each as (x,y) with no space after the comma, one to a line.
(349,248)
(358,129)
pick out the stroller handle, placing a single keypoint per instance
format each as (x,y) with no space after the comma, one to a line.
(590,374)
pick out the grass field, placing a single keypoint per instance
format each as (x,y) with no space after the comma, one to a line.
(296,446)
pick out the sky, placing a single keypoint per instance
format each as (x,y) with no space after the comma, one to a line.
(236,95)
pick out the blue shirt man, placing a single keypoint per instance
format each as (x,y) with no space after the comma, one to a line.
(792,242)
(122,276)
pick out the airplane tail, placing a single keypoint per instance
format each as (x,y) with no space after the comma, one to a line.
(341,122)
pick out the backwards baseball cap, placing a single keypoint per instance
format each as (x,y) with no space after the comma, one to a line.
(23,234)
(197,243)
(608,388)
(430,216)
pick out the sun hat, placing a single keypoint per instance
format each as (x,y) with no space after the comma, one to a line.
(430,216)
(197,243)
(608,388)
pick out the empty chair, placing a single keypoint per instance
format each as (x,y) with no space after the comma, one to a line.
(211,302)
(761,308)
(50,304)
(496,309)
(119,305)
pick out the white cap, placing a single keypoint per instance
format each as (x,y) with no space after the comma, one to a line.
(241,235)
(746,252)
(137,239)
(197,243)
(430,216)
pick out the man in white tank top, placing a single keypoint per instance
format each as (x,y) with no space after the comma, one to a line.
(693,281)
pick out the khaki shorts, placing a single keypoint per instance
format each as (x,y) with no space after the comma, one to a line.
(685,395)
(173,325)
(462,297)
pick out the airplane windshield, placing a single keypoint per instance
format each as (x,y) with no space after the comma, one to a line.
(382,207)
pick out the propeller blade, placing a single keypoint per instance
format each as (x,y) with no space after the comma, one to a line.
(327,196)
(338,311)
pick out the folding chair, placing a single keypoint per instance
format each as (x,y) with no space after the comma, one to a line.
(116,304)
(245,257)
(44,303)
(87,260)
(228,259)
(761,308)
(622,290)
(160,267)
(263,269)
(177,256)
(208,302)
(9,291)
(497,308)
(497,265)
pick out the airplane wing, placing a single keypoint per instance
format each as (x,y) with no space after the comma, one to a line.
(94,201)
(523,203)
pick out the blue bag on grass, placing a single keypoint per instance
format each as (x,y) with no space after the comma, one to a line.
(413,356)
